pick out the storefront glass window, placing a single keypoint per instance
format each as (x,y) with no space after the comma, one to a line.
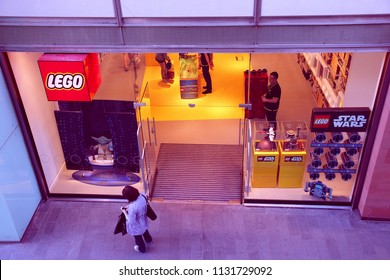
(177,8)
(323,8)
(19,191)
(57,8)
(198,137)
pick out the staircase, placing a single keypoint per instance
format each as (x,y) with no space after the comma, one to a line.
(199,172)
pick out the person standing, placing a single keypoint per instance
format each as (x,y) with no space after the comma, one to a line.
(162,59)
(126,61)
(271,99)
(206,63)
(136,219)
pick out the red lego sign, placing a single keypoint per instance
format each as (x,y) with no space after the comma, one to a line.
(321,121)
(70,77)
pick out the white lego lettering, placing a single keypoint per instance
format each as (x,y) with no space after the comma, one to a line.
(321,121)
(350,121)
(269,159)
(65,81)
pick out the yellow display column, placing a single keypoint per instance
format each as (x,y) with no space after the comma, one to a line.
(265,162)
(189,80)
(292,164)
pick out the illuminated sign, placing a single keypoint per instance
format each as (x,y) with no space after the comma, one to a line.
(70,77)
(339,119)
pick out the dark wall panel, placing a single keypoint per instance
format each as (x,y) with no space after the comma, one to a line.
(123,127)
(117,106)
(70,128)
(78,122)
(69,106)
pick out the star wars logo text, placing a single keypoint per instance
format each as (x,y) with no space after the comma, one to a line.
(266,159)
(65,81)
(350,121)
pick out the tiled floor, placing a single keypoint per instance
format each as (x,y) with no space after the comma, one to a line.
(84,230)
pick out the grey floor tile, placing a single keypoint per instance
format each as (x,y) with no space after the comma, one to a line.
(84,231)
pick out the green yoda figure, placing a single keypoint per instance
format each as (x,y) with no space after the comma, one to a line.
(104,147)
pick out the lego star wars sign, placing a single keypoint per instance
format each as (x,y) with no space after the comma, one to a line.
(339,119)
(70,77)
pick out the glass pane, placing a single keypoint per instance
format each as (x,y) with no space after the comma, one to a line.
(18,187)
(288,167)
(227,84)
(178,8)
(174,104)
(199,121)
(147,140)
(318,8)
(57,8)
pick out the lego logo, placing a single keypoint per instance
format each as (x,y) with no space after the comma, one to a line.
(65,81)
(321,121)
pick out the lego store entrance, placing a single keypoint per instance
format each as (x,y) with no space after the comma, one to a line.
(208,147)
(194,140)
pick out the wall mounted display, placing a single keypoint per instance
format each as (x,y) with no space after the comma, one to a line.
(337,142)
(99,134)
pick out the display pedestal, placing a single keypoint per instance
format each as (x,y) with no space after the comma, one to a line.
(265,160)
(189,77)
(292,164)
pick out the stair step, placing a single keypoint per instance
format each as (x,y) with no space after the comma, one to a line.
(201,172)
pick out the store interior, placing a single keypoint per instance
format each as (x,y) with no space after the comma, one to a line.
(214,118)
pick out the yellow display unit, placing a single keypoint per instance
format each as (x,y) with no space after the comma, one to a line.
(265,162)
(291,164)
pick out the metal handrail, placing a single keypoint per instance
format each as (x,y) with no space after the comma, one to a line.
(248,155)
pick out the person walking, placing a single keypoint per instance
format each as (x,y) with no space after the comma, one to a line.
(162,59)
(271,99)
(136,219)
(206,63)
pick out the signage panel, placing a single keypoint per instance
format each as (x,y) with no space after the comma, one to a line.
(70,77)
(340,119)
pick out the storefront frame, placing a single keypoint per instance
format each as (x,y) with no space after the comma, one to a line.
(262,201)
(317,33)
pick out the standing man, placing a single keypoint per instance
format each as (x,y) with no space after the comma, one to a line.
(206,62)
(162,59)
(271,99)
